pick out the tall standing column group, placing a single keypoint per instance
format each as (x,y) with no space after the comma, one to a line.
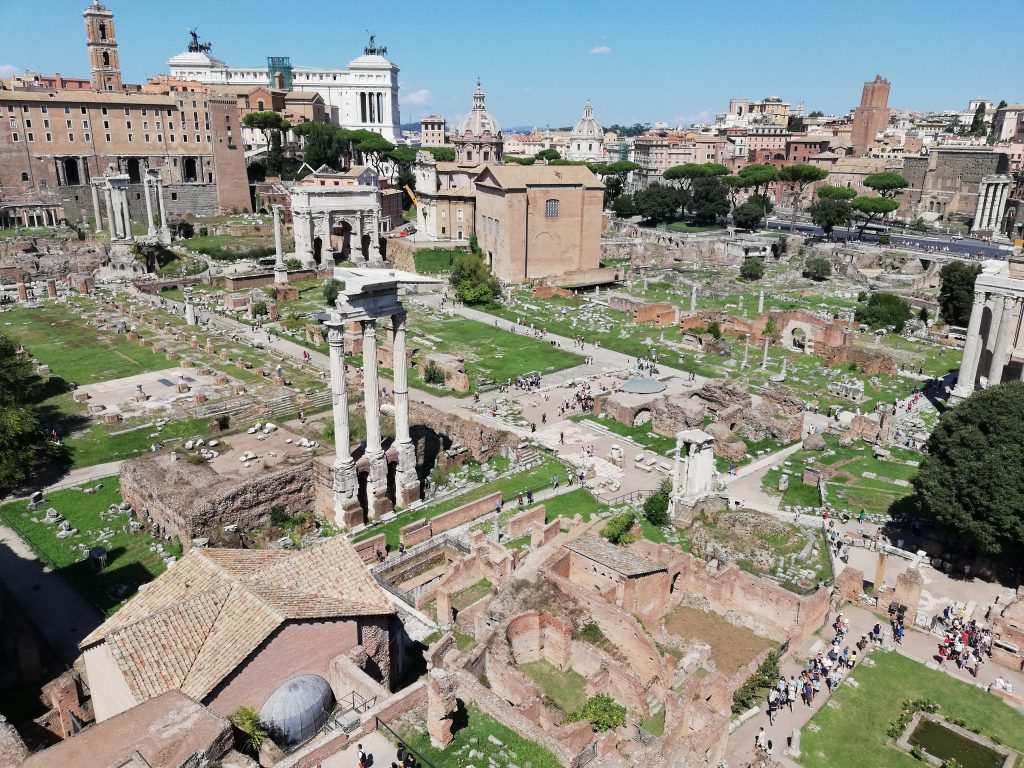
(345,485)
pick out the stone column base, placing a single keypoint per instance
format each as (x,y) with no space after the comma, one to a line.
(407,482)
(336,492)
(377,501)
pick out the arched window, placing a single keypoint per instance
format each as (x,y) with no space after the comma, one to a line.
(106,59)
(24,176)
(551,209)
(102,30)
(259,105)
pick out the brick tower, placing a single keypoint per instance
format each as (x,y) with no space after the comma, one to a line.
(872,116)
(102,46)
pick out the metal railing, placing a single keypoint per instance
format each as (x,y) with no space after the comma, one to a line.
(586,756)
(420,760)
(627,498)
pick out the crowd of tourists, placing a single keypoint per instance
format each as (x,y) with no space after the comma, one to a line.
(964,642)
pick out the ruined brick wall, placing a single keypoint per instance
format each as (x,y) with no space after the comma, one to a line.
(542,535)
(534,635)
(647,313)
(547,291)
(484,443)
(263,279)
(456,517)
(525,521)
(191,501)
(414,533)
(742,598)
(869,361)
(367,548)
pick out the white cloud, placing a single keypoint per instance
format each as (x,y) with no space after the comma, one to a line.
(422,96)
(601,50)
(9,70)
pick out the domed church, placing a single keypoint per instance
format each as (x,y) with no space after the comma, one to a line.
(587,138)
(478,138)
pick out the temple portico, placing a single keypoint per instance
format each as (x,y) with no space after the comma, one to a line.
(694,475)
(994,349)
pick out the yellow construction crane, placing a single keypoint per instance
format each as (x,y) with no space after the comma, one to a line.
(410,193)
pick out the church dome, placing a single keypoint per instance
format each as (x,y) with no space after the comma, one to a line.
(479,121)
(587,128)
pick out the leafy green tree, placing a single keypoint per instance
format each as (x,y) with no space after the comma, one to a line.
(547,155)
(797,178)
(402,159)
(658,203)
(752,267)
(870,208)
(602,713)
(441,154)
(330,289)
(771,328)
(978,127)
(623,206)
(472,281)
(250,731)
(684,174)
(25,449)
(759,177)
(795,124)
(519,160)
(956,291)
(923,315)
(259,309)
(748,216)
(829,213)
(970,480)
(269,122)
(888,184)
(884,310)
(715,329)
(828,192)
(617,529)
(709,200)
(817,113)
(817,269)
(321,145)
(375,150)
(656,505)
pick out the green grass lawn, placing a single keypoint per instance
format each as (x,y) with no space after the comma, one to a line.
(655,724)
(471,727)
(568,505)
(97,445)
(430,261)
(535,479)
(229,247)
(643,435)
(488,352)
(566,690)
(466,597)
(853,733)
(682,226)
(130,561)
(57,336)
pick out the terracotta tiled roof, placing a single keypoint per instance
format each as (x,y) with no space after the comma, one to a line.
(616,558)
(517,176)
(198,621)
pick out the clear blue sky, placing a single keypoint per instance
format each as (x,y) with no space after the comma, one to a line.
(539,61)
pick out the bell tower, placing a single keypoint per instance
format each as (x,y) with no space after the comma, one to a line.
(102,46)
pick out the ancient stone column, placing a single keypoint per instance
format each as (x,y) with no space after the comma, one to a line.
(407,482)
(51,289)
(972,349)
(280,270)
(98,223)
(190,308)
(22,291)
(377,479)
(1000,351)
(883,559)
(764,357)
(126,214)
(150,224)
(345,481)
(693,300)
(111,213)
(165,230)
(441,706)
(760,303)
(303,225)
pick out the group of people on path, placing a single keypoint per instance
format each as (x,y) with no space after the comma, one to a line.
(966,643)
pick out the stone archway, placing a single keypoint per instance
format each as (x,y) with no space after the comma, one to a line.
(318,245)
(642,417)
(798,338)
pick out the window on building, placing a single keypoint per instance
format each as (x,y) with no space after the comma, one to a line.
(31,137)
(469,154)
(71,137)
(49,137)
(10,107)
(146,138)
(145,125)
(259,105)
(85,123)
(160,137)
(103,30)
(88,138)
(172,138)
(130,138)
(458,215)
(128,124)
(46,123)
(107,137)
(14,122)
(551,209)
(28,123)
(14,137)
(24,176)
(69,124)
(24,107)
(128,111)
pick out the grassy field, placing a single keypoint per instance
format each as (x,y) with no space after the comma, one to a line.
(430,261)
(96,445)
(130,563)
(849,489)
(566,690)
(682,226)
(489,353)
(568,505)
(731,646)
(466,597)
(535,479)
(57,336)
(853,730)
(231,247)
(471,729)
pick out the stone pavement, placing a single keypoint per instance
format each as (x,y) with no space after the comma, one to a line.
(60,615)
(374,744)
